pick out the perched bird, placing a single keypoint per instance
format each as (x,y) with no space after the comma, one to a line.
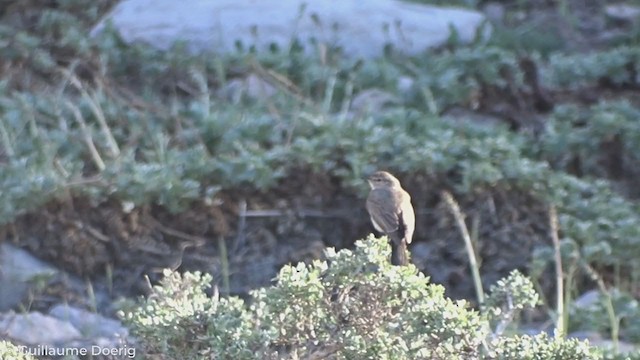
(391,213)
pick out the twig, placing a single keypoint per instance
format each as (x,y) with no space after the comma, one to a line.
(87,136)
(84,181)
(301,213)
(96,233)
(506,318)
(224,262)
(280,81)
(347,98)
(6,140)
(328,94)
(193,239)
(553,226)
(242,223)
(97,111)
(611,313)
(475,271)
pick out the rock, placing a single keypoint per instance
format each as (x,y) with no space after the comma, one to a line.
(405,85)
(91,325)
(18,271)
(494,11)
(360,28)
(37,329)
(622,12)
(623,347)
(592,336)
(587,300)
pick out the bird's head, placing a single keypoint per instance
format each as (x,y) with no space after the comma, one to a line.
(382,179)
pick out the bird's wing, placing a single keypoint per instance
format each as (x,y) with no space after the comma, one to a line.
(407,217)
(384,221)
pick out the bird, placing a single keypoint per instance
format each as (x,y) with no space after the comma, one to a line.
(389,207)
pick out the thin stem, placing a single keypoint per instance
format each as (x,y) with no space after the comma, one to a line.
(328,95)
(553,226)
(611,313)
(112,144)
(86,134)
(224,260)
(6,140)
(475,270)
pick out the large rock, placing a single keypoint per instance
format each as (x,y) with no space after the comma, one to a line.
(37,329)
(18,271)
(360,28)
(91,325)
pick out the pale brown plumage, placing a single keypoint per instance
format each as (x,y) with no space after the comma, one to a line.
(391,212)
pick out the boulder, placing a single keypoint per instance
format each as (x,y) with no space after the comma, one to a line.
(359,28)
(36,328)
(91,325)
(18,271)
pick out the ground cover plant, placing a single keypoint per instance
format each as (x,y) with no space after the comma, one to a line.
(156,153)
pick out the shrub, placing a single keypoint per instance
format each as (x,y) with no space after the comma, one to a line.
(540,347)
(13,352)
(353,305)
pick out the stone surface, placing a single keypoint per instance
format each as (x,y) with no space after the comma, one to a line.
(623,347)
(18,270)
(405,85)
(596,339)
(360,28)
(90,325)
(587,300)
(494,11)
(623,12)
(36,328)
(592,336)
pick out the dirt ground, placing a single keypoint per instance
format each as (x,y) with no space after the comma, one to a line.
(294,222)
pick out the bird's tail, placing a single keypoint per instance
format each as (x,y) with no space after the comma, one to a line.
(399,253)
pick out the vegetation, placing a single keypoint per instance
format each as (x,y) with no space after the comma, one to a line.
(13,352)
(353,305)
(97,119)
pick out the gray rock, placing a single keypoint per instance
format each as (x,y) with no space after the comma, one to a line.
(623,12)
(587,300)
(494,11)
(592,336)
(37,329)
(91,325)
(623,347)
(360,28)
(18,271)
(405,85)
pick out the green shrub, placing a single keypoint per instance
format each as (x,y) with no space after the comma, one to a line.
(541,347)
(9,351)
(353,305)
